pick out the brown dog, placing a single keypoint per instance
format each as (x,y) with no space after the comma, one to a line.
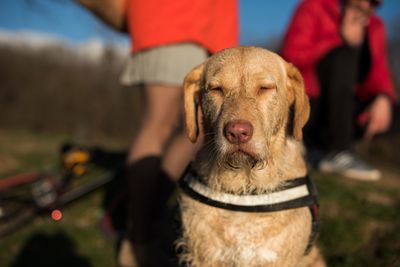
(251,106)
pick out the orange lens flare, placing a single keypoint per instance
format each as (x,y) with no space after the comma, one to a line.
(56,215)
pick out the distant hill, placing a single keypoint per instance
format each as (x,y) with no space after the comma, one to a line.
(48,85)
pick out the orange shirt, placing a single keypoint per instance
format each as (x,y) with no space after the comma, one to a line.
(210,23)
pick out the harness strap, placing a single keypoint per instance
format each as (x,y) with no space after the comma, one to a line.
(296,193)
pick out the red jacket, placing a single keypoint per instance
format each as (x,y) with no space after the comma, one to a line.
(315,30)
(210,23)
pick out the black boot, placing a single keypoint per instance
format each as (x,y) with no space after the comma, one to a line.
(149,191)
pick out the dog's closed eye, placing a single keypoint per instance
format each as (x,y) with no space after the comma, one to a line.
(217,89)
(264,88)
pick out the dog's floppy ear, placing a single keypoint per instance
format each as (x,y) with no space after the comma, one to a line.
(191,88)
(298,99)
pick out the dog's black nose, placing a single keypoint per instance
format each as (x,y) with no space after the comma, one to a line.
(238,131)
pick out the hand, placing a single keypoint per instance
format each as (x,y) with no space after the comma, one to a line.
(379,116)
(353,25)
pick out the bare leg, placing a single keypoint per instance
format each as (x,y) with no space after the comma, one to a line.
(178,155)
(149,188)
(162,106)
(154,160)
(181,151)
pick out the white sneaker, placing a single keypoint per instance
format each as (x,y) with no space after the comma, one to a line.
(348,164)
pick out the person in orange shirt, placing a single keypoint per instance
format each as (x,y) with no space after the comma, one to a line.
(168,38)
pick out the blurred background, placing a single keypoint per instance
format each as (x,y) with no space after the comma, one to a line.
(59,80)
(55,48)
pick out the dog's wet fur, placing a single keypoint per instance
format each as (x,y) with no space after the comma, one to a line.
(249,107)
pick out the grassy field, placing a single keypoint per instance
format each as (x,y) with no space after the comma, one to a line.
(360,221)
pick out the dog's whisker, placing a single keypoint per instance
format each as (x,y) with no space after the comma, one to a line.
(245,153)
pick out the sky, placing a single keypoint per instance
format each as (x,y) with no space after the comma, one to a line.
(259,19)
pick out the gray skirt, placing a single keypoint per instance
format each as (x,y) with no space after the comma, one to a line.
(163,65)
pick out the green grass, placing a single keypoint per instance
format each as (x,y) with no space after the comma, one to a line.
(76,240)
(360,221)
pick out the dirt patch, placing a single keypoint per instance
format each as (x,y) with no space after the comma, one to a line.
(380,199)
(390,175)
(7,163)
(334,210)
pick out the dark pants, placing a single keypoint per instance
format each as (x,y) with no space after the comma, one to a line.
(332,125)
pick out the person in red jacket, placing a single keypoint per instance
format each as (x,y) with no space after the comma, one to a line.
(168,38)
(339,47)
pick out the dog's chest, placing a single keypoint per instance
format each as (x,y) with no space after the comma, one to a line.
(240,239)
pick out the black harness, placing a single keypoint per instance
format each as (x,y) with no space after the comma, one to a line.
(306,196)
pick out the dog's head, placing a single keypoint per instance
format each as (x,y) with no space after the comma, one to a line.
(251,101)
